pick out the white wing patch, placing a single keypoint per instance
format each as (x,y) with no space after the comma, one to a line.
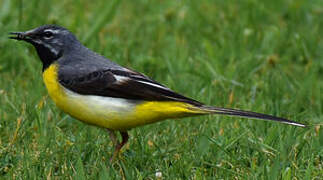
(123,79)
(153,84)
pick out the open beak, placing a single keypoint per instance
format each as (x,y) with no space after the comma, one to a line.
(25,36)
(17,35)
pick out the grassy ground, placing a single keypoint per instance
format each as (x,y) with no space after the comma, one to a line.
(264,56)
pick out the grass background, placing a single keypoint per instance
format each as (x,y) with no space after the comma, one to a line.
(265,56)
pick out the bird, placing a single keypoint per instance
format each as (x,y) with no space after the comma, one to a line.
(97,91)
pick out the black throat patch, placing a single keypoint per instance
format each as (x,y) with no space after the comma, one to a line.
(47,54)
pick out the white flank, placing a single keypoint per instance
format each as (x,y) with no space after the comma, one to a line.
(100,106)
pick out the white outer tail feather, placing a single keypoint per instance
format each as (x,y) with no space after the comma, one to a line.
(249,114)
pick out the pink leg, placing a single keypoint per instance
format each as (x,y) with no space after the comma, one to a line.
(118,145)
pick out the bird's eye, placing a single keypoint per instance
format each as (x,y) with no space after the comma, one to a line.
(48,34)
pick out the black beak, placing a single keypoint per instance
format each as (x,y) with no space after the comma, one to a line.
(25,36)
(17,35)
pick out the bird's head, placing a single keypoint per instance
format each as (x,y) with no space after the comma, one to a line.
(50,41)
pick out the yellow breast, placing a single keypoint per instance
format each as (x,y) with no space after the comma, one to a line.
(110,112)
(54,89)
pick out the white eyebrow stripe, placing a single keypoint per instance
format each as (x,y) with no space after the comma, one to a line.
(52,31)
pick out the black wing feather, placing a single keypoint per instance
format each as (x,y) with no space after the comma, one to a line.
(104,83)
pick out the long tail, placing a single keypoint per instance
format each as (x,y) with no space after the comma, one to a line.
(247,114)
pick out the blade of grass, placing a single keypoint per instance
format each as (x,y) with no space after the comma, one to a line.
(106,16)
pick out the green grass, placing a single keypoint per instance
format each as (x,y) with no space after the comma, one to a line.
(265,56)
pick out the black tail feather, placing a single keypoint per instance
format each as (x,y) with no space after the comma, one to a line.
(249,114)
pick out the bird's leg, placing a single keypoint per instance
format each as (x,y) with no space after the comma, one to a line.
(125,137)
(114,140)
(113,136)
(117,145)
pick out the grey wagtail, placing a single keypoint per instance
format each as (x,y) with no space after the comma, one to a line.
(97,91)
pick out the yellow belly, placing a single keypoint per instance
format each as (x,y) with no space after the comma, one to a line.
(109,112)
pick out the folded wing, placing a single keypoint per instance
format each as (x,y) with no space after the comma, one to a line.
(120,84)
